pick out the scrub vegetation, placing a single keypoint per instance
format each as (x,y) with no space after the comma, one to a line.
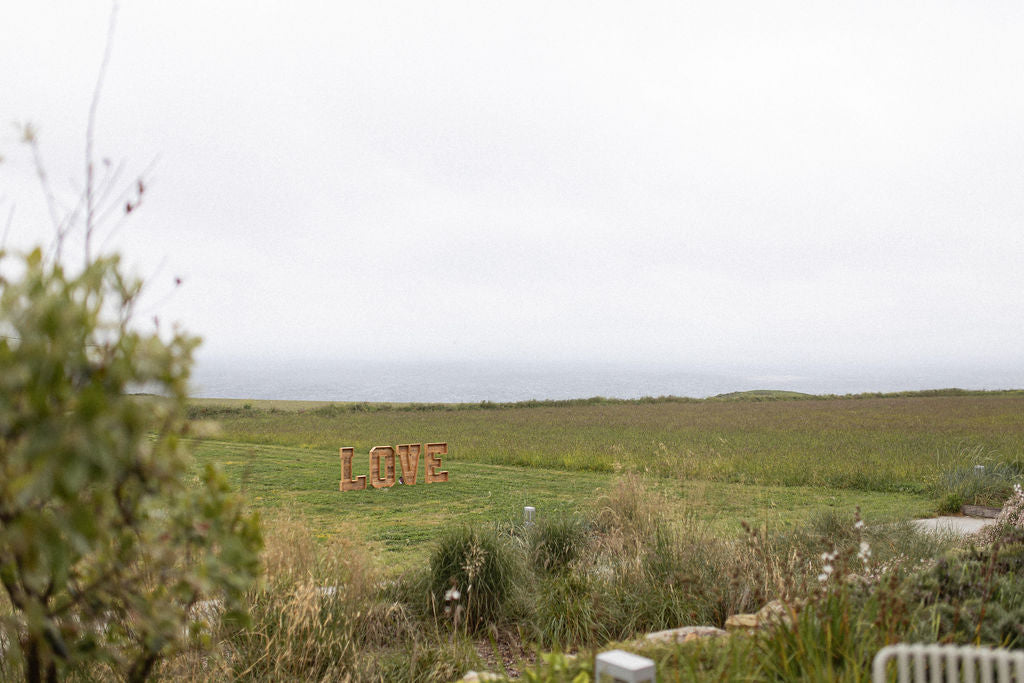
(512,598)
(651,515)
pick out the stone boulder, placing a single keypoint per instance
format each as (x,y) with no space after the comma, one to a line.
(683,635)
(774,612)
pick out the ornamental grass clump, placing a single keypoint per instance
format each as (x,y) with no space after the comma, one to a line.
(556,543)
(316,612)
(481,568)
(652,571)
(977,478)
(850,610)
(321,613)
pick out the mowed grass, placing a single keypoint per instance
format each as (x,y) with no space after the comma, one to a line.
(400,522)
(893,445)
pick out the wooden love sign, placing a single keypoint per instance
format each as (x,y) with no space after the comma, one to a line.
(382,466)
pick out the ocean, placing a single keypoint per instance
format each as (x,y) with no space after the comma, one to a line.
(472,382)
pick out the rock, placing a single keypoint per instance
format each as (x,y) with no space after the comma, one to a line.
(684,634)
(774,612)
(980,511)
(475,676)
(741,621)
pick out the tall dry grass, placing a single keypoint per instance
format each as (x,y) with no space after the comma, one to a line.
(323,613)
(643,568)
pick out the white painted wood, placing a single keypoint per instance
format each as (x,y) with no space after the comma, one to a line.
(950,662)
(619,665)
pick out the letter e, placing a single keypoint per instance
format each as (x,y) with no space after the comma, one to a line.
(431,462)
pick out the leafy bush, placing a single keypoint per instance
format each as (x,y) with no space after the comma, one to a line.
(977,596)
(555,667)
(105,546)
(480,569)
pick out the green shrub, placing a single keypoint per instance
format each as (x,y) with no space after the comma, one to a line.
(556,667)
(481,569)
(106,542)
(977,595)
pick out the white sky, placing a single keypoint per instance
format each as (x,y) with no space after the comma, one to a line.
(690,183)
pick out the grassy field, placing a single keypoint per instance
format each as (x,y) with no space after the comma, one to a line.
(869,444)
(400,522)
(770,462)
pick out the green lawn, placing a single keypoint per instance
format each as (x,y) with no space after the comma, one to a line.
(399,522)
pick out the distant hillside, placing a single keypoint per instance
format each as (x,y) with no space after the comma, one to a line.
(203,408)
(779,395)
(760,395)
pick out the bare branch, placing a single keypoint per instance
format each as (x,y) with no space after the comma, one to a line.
(130,196)
(90,134)
(7,228)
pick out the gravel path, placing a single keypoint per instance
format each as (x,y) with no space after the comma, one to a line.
(960,525)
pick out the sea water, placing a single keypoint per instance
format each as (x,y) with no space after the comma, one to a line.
(475,381)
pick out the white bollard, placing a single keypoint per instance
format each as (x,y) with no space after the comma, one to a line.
(528,515)
(619,665)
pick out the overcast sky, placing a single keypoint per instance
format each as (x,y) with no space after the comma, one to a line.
(688,183)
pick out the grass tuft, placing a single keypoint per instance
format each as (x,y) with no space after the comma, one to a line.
(976,477)
(473,575)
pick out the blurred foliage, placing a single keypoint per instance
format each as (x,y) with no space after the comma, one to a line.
(107,545)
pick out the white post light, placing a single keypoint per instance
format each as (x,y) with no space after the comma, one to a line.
(528,515)
(619,665)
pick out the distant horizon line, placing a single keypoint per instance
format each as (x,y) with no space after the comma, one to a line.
(748,394)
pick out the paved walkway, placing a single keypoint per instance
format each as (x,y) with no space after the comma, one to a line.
(959,525)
